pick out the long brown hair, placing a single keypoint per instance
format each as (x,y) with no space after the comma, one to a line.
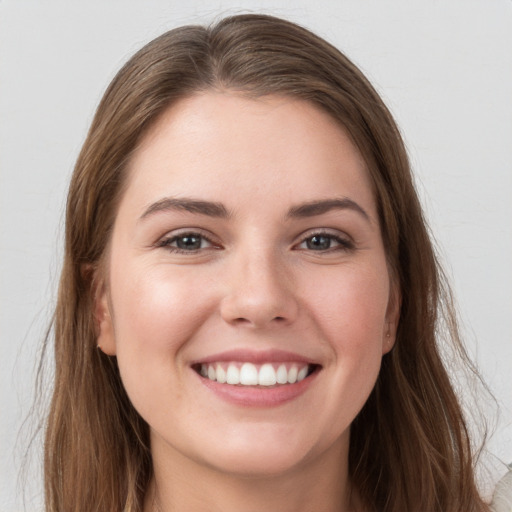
(409,446)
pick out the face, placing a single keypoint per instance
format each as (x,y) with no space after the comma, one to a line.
(247,296)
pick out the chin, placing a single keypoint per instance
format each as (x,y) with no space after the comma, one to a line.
(258,464)
(264,454)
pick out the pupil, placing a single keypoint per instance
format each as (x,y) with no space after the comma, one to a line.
(319,242)
(189,242)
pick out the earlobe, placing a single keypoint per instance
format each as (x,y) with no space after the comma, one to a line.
(389,340)
(392,319)
(103,318)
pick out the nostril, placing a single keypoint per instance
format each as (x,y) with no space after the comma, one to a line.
(241,320)
(245,308)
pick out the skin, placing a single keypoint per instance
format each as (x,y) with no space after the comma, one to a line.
(256,281)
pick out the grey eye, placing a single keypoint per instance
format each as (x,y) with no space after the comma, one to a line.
(319,242)
(189,242)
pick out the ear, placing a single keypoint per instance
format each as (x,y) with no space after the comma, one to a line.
(392,318)
(103,317)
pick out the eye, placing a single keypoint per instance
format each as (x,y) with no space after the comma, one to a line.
(189,242)
(325,242)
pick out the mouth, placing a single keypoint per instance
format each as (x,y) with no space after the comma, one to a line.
(263,375)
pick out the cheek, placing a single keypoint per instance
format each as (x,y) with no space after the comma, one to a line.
(155,314)
(350,312)
(153,308)
(350,308)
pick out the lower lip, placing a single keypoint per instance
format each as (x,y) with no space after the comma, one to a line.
(258,396)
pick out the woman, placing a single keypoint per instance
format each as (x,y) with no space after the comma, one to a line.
(249,304)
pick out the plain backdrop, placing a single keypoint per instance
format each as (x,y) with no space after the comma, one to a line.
(443,67)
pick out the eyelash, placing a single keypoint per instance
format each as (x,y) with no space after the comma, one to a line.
(166,242)
(343,244)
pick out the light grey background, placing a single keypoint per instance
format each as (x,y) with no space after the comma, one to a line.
(444,68)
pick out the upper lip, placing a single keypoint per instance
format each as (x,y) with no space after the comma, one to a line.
(255,356)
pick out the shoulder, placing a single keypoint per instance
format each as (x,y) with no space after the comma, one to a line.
(502,498)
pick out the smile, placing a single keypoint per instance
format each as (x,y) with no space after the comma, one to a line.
(250,374)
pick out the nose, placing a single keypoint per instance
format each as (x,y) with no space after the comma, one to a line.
(259,293)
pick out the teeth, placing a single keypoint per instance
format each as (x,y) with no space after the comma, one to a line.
(249,374)
(292,375)
(267,375)
(302,374)
(221,374)
(282,375)
(233,375)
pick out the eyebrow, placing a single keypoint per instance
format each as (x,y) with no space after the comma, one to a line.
(323,206)
(214,209)
(211,209)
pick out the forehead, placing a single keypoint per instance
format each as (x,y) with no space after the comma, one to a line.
(229,148)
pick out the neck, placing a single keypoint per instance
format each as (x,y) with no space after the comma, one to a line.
(320,485)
